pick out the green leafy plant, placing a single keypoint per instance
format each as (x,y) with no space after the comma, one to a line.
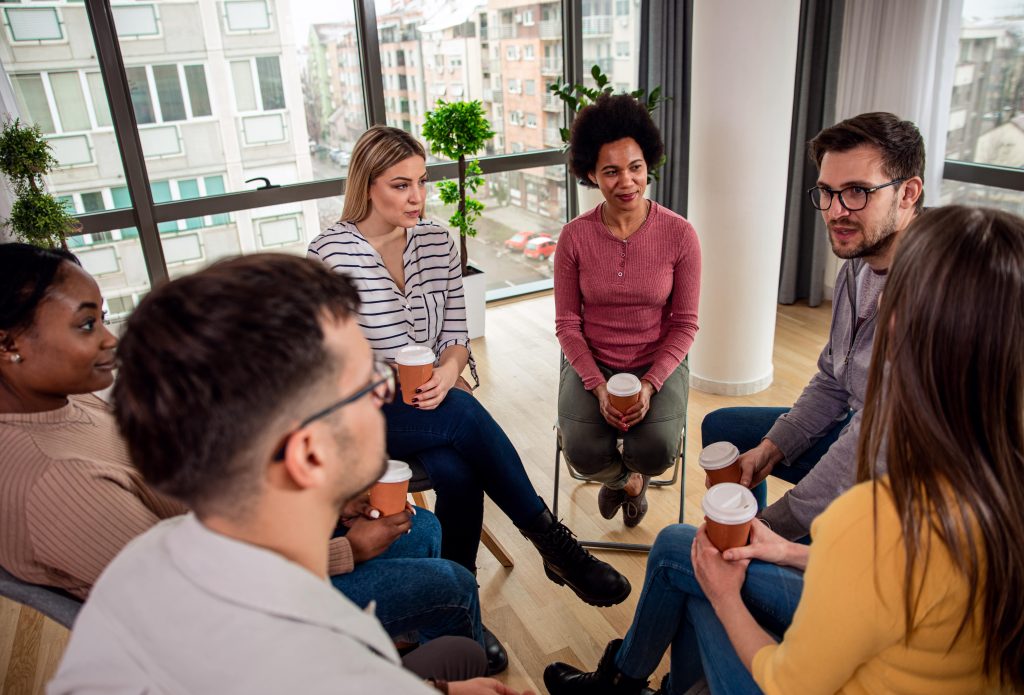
(578,96)
(457,130)
(36,216)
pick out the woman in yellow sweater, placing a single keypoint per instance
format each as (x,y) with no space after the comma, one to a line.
(915,581)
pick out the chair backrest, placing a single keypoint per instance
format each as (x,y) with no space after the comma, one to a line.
(420,480)
(53,603)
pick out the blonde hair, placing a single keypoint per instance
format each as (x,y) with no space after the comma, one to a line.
(378,149)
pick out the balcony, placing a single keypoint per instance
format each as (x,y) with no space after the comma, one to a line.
(552,138)
(493,95)
(507,31)
(555,172)
(551,66)
(551,29)
(552,103)
(598,25)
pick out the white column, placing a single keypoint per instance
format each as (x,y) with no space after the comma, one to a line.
(741,105)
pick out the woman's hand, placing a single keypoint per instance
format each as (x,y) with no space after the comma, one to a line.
(610,414)
(720,579)
(433,393)
(639,409)
(768,546)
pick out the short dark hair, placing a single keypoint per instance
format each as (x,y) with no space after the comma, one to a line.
(899,142)
(612,117)
(27,274)
(210,361)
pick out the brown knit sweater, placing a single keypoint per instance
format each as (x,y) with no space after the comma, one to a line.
(70,498)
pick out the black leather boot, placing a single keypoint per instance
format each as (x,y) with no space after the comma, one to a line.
(563,679)
(567,563)
(497,659)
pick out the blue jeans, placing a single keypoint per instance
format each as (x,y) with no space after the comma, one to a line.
(419,596)
(466,454)
(673,611)
(746,427)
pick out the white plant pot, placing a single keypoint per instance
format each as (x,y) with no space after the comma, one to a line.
(475,288)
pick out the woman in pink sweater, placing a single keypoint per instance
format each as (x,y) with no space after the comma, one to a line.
(627,284)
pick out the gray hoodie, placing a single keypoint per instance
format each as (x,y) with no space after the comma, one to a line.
(838,387)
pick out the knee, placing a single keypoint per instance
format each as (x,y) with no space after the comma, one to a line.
(587,454)
(451,580)
(651,455)
(673,543)
(427,531)
(716,426)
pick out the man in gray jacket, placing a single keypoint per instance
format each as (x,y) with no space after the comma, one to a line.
(869,190)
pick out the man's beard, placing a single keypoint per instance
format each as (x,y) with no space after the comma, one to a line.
(885,236)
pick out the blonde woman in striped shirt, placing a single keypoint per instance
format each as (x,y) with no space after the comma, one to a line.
(410,284)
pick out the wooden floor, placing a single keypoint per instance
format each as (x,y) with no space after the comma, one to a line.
(538,621)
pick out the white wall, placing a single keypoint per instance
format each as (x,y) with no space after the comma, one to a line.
(744,68)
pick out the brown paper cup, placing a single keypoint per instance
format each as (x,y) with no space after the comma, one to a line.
(726,536)
(411,377)
(389,498)
(623,403)
(729,474)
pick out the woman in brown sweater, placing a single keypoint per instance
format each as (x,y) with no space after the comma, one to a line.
(70,498)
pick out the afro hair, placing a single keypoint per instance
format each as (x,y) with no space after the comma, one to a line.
(612,117)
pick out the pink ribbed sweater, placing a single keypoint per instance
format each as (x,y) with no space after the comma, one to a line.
(627,304)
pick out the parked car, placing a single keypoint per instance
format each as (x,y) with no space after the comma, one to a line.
(518,241)
(540,248)
(340,157)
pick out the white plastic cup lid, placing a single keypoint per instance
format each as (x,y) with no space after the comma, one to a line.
(623,384)
(397,472)
(415,355)
(718,455)
(729,503)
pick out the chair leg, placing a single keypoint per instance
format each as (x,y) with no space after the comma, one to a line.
(499,552)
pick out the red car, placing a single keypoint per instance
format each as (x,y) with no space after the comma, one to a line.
(540,248)
(518,241)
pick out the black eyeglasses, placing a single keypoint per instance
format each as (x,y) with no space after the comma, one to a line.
(853,198)
(382,385)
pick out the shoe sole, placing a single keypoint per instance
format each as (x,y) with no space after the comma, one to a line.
(600,603)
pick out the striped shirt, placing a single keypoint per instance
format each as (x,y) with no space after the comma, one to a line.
(431,311)
(70,498)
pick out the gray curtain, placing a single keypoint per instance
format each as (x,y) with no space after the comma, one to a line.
(665,62)
(805,242)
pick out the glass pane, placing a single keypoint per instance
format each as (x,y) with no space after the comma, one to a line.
(199,96)
(985,119)
(92,201)
(99,99)
(960,193)
(162,194)
(189,188)
(67,94)
(215,186)
(467,50)
(142,101)
(168,92)
(271,87)
(612,42)
(28,89)
(245,90)
(520,206)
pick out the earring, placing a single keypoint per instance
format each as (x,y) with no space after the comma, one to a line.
(15,358)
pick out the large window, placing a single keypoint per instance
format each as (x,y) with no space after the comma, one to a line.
(986,120)
(229,96)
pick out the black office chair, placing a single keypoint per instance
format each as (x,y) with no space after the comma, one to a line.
(55,604)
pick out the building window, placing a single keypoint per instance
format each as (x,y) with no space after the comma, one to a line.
(59,101)
(528,53)
(531,120)
(621,49)
(258,85)
(513,86)
(531,87)
(33,24)
(512,52)
(139,21)
(528,18)
(622,7)
(246,15)
(168,93)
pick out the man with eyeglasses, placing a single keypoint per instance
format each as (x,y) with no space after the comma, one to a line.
(869,189)
(248,392)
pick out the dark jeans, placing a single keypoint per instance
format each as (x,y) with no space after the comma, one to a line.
(746,427)
(673,611)
(419,596)
(466,454)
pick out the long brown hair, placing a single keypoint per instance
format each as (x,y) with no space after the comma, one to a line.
(378,149)
(945,404)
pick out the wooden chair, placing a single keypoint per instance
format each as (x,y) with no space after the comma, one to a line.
(421,482)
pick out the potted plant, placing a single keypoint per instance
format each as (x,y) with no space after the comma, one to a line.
(458,130)
(36,216)
(577,96)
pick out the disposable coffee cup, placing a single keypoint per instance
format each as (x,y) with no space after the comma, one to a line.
(415,367)
(721,462)
(623,391)
(729,509)
(389,493)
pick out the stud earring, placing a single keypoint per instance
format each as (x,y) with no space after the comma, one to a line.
(15,358)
